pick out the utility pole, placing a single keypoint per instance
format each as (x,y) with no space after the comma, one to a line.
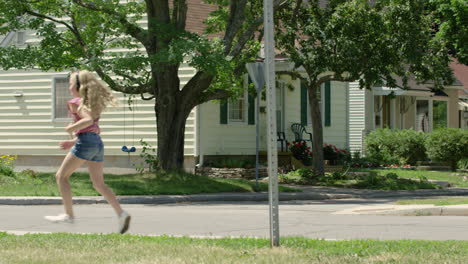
(271,121)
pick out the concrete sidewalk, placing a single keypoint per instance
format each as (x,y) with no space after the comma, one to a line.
(308,193)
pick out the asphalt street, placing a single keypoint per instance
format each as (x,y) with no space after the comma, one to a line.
(312,219)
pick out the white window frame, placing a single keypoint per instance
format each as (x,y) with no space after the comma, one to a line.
(282,84)
(54,102)
(245,105)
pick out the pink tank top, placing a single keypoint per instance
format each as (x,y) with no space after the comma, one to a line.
(94,128)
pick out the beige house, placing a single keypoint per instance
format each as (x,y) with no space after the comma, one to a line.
(418,108)
(461,73)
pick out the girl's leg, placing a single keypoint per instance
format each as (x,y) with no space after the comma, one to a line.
(97,177)
(69,165)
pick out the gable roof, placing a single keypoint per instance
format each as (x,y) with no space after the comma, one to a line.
(197,12)
(461,73)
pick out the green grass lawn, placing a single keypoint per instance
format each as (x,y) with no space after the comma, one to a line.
(440,201)
(86,249)
(458,181)
(43,184)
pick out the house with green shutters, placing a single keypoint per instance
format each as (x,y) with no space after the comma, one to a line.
(33,113)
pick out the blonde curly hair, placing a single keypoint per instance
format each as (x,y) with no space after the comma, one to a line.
(94,94)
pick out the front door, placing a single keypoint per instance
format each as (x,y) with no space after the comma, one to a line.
(422,116)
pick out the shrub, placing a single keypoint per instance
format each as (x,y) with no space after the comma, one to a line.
(462,164)
(396,146)
(149,157)
(7,165)
(301,151)
(232,163)
(411,148)
(380,145)
(299,176)
(448,145)
(330,152)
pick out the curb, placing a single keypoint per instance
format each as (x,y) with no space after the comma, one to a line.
(432,211)
(226,197)
(165,199)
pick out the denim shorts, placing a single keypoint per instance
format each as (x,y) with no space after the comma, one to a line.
(89,147)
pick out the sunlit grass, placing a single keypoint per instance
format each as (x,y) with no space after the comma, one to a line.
(74,248)
(438,202)
(43,184)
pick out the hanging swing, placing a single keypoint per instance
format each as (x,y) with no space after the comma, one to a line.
(132,108)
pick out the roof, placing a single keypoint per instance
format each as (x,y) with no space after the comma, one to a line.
(197,12)
(461,73)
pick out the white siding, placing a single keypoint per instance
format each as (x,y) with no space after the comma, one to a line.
(356,116)
(336,133)
(27,128)
(239,139)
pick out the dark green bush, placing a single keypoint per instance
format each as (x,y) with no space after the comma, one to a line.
(448,145)
(410,148)
(396,146)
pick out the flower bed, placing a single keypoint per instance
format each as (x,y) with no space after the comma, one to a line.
(231,172)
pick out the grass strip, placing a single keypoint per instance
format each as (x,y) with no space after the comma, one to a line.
(176,183)
(114,248)
(438,202)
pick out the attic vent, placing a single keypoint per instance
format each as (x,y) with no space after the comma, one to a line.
(20,37)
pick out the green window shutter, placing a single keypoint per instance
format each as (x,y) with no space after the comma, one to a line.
(327,102)
(251,109)
(304,103)
(223,110)
(251,114)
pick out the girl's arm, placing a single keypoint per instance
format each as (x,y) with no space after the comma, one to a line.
(86,121)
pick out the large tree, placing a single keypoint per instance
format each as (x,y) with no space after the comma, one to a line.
(83,33)
(359,40)
(451,25)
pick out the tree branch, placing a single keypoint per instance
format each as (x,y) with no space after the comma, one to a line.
(247,35)
(179,14)
(293,74)
(197,84)
(116,87)
(32,13)
(131,29)
(216,95)
(236,19)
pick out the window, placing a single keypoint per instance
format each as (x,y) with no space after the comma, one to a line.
(439,114)
(60,97)
(236,110)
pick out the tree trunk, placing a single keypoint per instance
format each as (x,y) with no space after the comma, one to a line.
(171,116)
(171,138)
(317,129)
